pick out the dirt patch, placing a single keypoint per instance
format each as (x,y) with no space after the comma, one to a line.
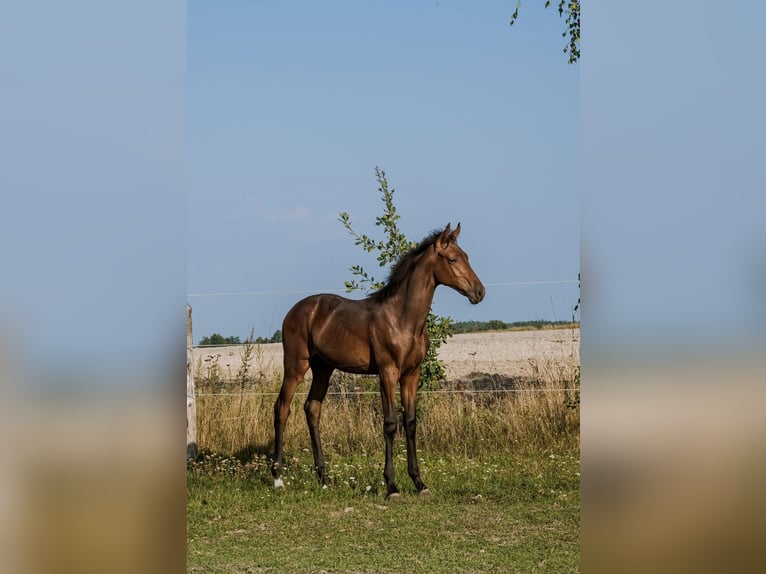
(489,382)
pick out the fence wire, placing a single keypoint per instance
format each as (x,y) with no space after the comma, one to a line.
(309,291)
(347,393)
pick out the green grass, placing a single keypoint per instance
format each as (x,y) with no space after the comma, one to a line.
(503,470)
(492,513)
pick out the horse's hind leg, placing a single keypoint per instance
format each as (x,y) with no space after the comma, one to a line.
(294,371)
(388,379)
(313,409)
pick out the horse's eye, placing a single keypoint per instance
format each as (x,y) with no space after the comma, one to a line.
(451,261)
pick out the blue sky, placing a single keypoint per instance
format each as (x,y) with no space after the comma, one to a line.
(674,213)
(92,222)
(291,106)
(147,156)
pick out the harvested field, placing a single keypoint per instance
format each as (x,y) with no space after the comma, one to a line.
(535,354)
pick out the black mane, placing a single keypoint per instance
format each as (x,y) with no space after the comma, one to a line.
(403,267)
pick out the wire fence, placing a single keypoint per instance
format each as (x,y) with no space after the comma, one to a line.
(277,292)
(375,393)
(308,291)
(468,392)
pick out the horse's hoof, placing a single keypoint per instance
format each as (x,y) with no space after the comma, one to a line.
(278,483)
(424,492)
(393,495)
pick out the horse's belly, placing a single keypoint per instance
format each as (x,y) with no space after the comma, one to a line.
(358,363)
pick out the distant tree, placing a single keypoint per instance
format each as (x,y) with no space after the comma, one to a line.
(218,339)
(495,325)
(275,338)
(572,30)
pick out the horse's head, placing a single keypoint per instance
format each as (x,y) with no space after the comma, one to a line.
(452,268)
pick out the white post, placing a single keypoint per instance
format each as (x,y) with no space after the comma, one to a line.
(191,405)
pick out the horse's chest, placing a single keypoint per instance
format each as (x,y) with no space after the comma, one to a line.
(414,355)
(405,351)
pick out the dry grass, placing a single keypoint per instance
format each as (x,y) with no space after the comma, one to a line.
(536,411)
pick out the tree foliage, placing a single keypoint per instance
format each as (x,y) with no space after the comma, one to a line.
(571,33)
(275,338)
(389,250)
(218,339)
(496,325)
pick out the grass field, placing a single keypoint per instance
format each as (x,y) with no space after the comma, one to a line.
(488,514)
(502,467)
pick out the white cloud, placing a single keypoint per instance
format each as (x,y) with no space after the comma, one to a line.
(276,215)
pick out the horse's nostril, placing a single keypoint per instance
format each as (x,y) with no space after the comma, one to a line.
(477,295)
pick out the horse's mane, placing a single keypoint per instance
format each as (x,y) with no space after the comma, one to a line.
(403,267)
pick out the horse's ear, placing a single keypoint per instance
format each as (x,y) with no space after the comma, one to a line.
(445,237)
(454,234)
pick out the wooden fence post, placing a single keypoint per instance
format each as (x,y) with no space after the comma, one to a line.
(191,405)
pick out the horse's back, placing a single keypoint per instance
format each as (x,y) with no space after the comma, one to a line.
(310,310)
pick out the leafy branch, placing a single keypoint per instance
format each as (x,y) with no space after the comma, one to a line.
(389,250)
(572,31)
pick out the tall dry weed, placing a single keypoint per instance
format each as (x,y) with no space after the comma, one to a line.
(537,413)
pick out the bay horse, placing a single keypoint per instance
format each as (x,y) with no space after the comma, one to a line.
(383,334)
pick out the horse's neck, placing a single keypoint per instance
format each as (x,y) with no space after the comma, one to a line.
(414,297)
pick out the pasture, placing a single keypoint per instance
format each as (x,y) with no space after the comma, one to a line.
(499,453)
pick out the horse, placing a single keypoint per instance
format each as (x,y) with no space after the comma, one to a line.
(383,334)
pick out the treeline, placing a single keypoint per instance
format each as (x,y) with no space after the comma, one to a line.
(495,325)
(216,339)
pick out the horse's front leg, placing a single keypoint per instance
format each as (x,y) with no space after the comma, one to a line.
(409,404)
(388,380)
(320,381)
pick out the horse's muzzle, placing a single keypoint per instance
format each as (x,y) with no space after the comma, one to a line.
(477,294)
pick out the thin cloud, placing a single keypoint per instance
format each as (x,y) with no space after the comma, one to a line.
(292,214)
